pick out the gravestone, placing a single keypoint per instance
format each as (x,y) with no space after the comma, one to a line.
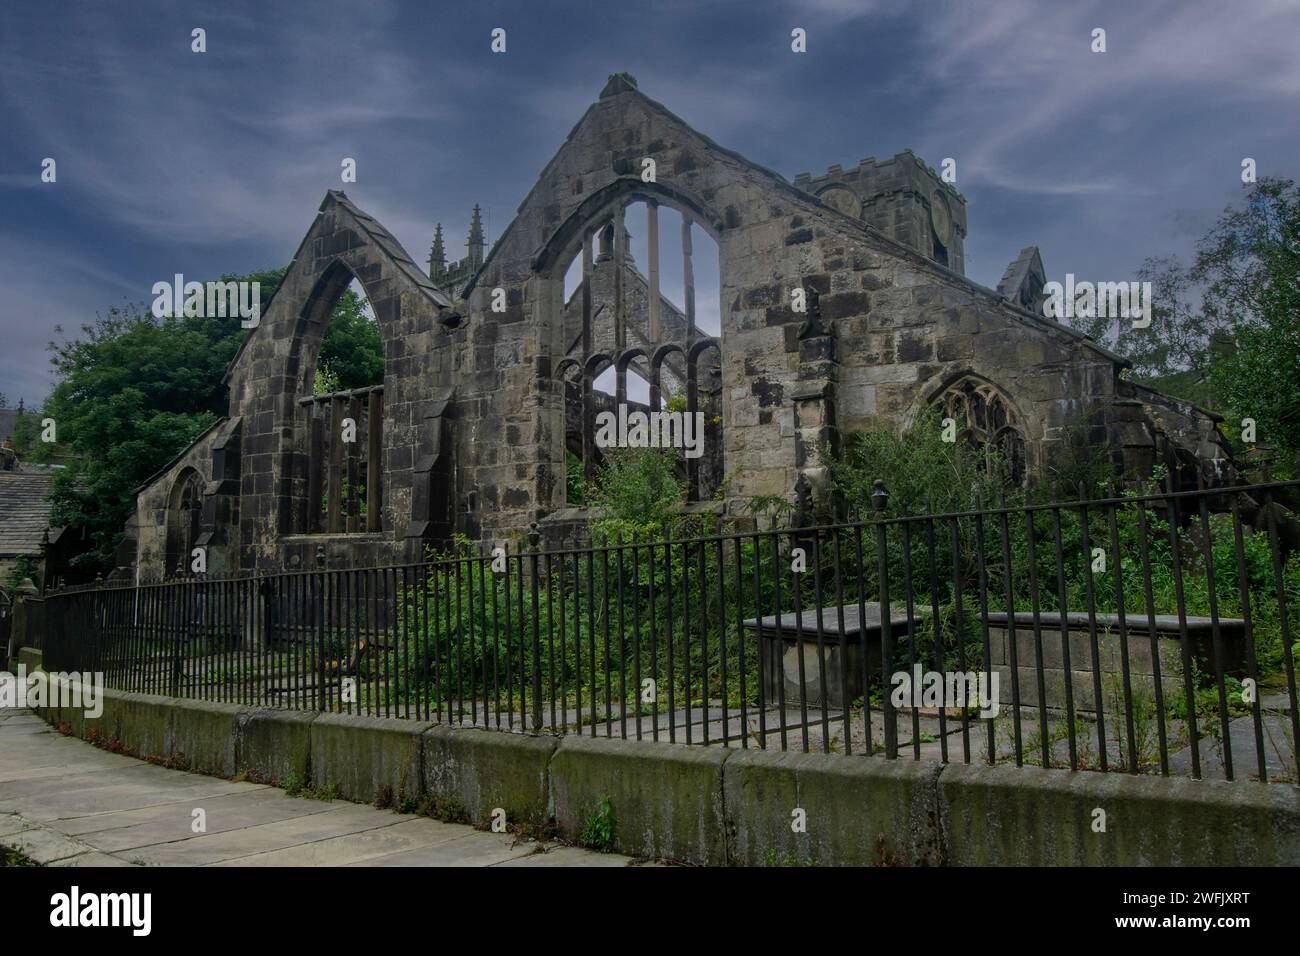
(1142,671)
(832,667)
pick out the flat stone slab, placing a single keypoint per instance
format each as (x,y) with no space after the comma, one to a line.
(91,859)
(464,851)
(1135,623)
(397,836)
(857,619)
(173,822)
(1279,757)
(570,856)
(66,803)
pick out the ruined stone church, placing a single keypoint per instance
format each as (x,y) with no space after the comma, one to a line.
(496,365)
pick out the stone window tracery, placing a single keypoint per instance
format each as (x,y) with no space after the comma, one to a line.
(987,425)
(628,343)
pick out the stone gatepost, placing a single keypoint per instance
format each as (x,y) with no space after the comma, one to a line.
(28,621)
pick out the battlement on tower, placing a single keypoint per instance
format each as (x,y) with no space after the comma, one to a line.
(903,198)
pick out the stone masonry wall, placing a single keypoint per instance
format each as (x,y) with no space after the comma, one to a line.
(474,414)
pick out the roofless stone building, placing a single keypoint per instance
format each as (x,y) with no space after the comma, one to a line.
(484,394)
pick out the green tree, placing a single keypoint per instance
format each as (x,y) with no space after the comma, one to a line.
(1256,284)
(351,354)
(132,391)
(1223,327)
(25,433)
(638,491)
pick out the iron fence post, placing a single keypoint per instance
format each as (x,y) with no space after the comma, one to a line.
(879,501)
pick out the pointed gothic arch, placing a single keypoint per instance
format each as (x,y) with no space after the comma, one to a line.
(312,461)
(610,314)
(987,421)
(184,521)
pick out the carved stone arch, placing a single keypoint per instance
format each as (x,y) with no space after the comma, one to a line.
(704,474)
(275,368)
(569,379)
(986,418)
(656,371)
(184,520)
(931,392)
(702,346)
(626,358)
(562,369)
(595,364)
(641,328)
(313,319)
(591,455)
(564,243)
(306,452)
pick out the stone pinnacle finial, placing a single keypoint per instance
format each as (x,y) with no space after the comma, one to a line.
(476,242)
(437,254)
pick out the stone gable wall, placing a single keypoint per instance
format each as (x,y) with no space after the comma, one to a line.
(886,329)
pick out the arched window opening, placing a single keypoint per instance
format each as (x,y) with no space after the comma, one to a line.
(340,421)
(636,388)
(987,427)
(631,303)
(184,521)
(351,354)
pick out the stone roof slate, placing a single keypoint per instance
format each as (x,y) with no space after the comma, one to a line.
(24,511)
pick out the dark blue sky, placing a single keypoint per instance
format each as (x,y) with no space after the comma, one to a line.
(171,161)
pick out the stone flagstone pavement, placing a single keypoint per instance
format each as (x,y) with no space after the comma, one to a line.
(66,803)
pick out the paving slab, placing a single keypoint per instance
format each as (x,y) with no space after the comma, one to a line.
(398,837)
(475,849)
(45,845)
(90,859)
(206,849)
(52,803)
(1279,751)
(66,803)
(567,856)
(11,823)
(15,728)
(174,822)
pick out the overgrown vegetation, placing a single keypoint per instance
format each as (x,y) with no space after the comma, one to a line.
(296,785)
(598,832)
(637,493)
(24,567)
(1225,327)
(11,857)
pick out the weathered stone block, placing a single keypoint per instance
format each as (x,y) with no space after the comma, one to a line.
(273,745)
(363,756)
(858,811)
(667,799)
(200,735)
(485,769)
(1028,816)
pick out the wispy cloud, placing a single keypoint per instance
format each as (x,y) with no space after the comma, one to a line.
(211,163)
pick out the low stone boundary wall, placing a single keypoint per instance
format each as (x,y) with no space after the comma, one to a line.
(717,806)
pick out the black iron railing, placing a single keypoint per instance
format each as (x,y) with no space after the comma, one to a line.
(1144,634)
